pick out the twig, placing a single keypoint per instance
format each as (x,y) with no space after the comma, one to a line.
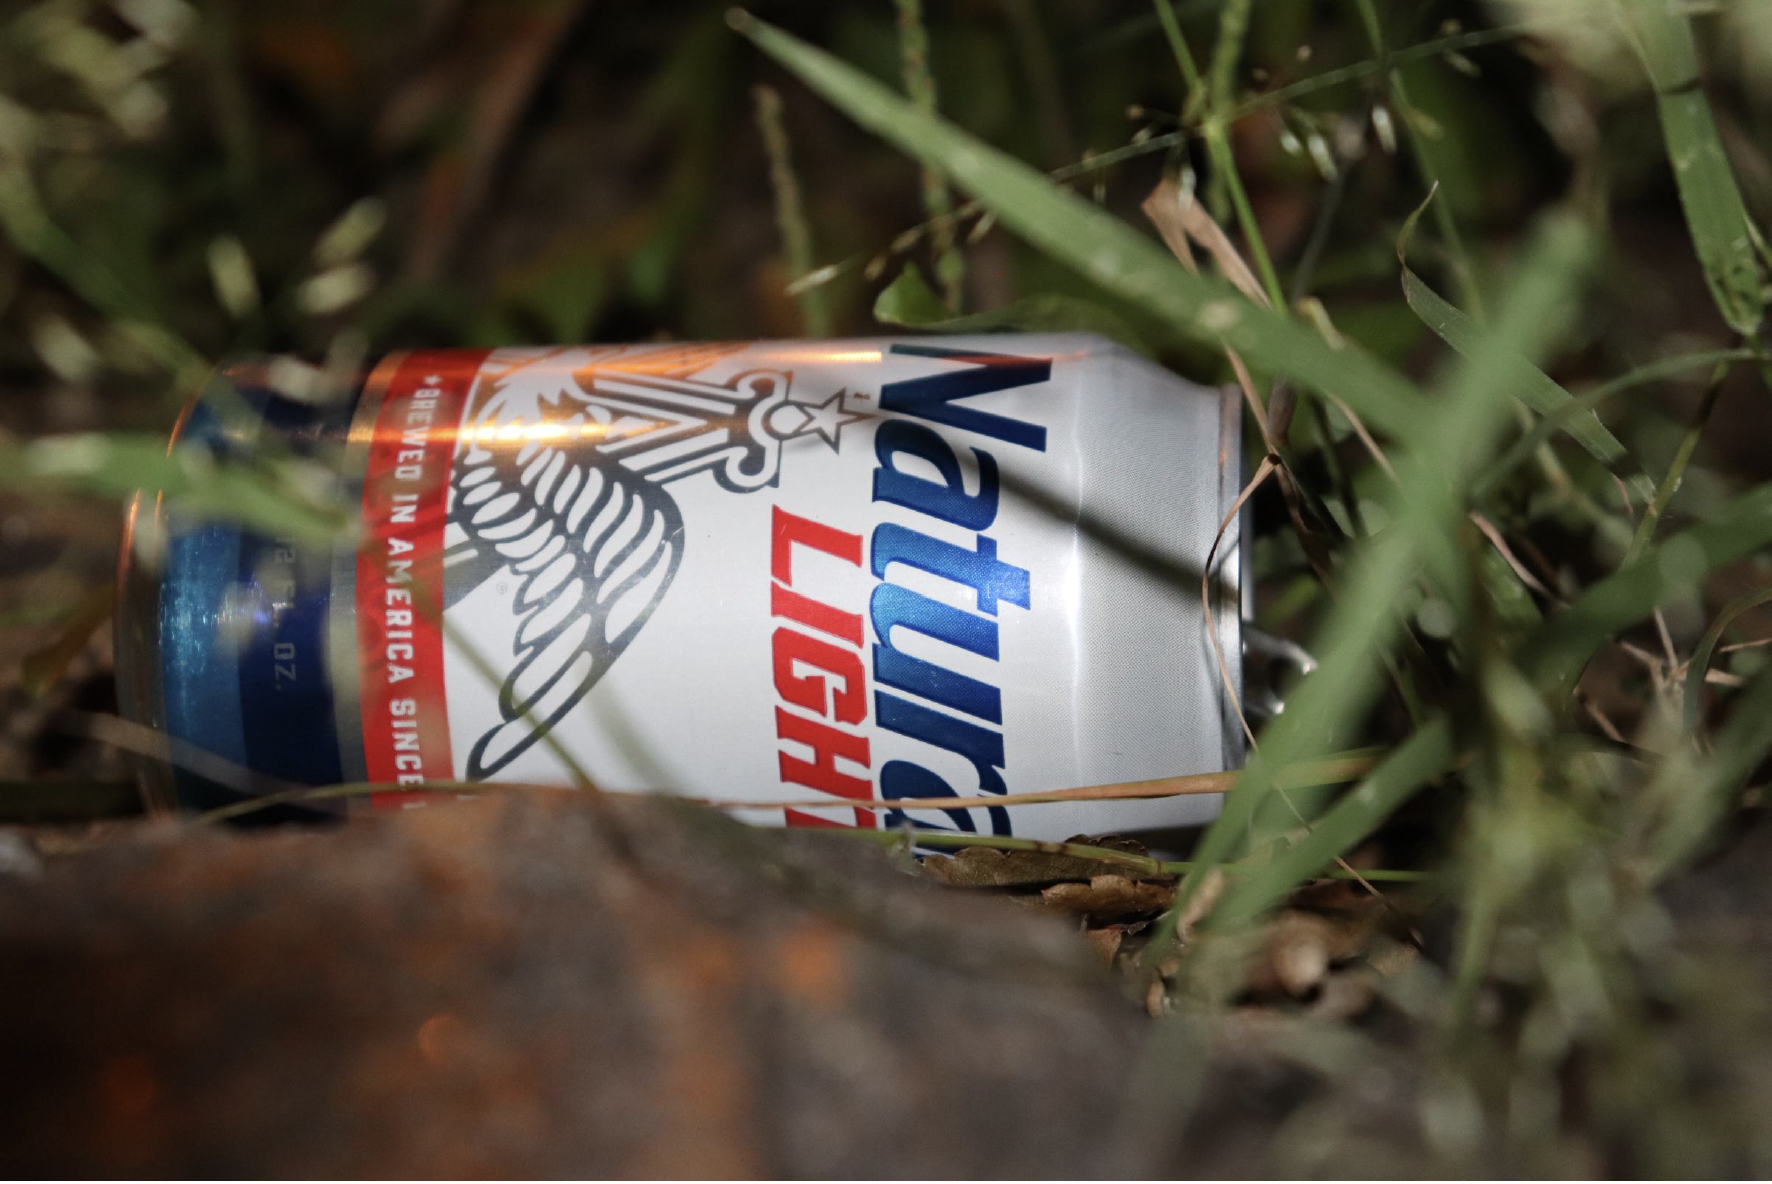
(1676,471)
(919,84)
(1496,540)
(790,210)
(1328,771)
(1444,221)
(1143,863)
(1262,473)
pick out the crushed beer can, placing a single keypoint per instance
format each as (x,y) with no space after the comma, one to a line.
(811,572)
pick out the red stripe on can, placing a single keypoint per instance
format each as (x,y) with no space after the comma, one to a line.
(400,570)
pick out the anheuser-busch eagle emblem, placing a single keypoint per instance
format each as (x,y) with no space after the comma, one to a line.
(561,483)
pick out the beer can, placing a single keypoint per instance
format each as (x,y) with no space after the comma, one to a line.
(810,576)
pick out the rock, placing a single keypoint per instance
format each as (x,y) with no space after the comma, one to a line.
(542,985)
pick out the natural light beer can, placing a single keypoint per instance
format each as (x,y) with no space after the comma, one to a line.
(825,573)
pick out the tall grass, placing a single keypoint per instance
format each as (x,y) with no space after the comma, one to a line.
(1558,848)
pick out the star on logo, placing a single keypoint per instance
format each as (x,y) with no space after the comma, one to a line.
(824,420)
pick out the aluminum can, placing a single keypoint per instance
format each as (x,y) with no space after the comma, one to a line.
(819,572)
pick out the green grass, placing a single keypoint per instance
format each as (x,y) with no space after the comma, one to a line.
(1540,819)
(1729,245)
(1519,371)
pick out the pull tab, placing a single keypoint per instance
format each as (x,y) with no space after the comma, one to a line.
(1270,665)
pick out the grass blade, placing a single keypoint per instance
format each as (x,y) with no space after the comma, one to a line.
(1096,243)
(790,210)
(1699,666)
(1614,603)
(1444,450)
(1425,755)
(1557,653)
(1530,385)
(1544,429)
(919,84)
(1233,30)
(1695,794)
(911,302)
(1398,93)
(1669,485)
(1728,244)
(1184,57)
(119,465)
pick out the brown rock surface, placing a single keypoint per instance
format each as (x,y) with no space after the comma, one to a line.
(540,987)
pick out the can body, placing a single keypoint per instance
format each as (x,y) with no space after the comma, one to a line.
(820,572)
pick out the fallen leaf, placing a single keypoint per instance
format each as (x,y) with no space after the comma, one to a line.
(1345,995)
(1156,999)
(1105,941)
(1393,957)
(1211,888)
(986,867)
(1109,896)
(1179,217)
(1302,947)
(1298,952)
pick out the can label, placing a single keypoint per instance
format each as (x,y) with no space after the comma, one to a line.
(826,572)
(406,496)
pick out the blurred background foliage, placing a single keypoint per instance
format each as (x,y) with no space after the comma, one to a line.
(240,176)
(183,182)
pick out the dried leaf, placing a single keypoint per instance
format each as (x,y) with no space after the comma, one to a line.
(1105,941)
(1163,208)
(1302,947)
(1110,896)
(1178,217)
(985,867)
(1156,999)
(1344,996)
(1390,958)
(1298,952)
(1198,905)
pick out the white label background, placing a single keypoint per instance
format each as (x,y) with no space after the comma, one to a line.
(1109,675)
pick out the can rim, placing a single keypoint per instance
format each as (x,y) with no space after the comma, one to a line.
(1232,588)
(135,633)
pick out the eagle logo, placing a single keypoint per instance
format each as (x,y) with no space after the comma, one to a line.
(561,488)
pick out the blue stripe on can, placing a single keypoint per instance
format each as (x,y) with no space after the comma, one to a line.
(242,630)
(286,702)
(198,667)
